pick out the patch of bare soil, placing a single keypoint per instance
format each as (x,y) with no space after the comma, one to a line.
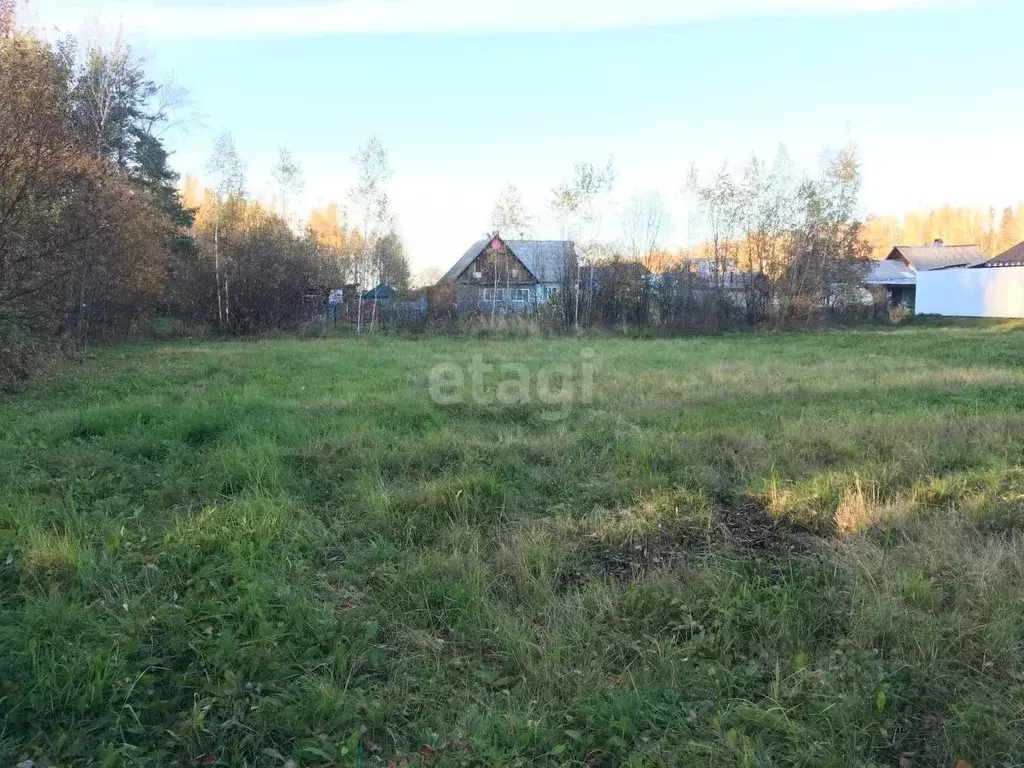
(743,525)
(753,533)
(633,562)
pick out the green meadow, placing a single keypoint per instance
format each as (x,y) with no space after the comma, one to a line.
(744,550)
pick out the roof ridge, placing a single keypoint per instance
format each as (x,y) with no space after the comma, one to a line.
(537,240)
(955,245)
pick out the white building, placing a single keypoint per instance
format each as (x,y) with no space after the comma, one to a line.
(994,288)
(901,271)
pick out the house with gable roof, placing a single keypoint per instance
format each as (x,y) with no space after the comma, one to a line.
(501,276)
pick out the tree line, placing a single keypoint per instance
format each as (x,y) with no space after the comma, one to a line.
(96,239)
(775,245)
(995,231)
(264,268)
(91,223)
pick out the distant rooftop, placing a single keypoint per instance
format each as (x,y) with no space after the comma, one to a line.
(891,272)
(924,258)
(1011,258)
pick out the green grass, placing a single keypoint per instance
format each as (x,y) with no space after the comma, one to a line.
(284,551)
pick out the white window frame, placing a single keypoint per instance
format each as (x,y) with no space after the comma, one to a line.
(493,294)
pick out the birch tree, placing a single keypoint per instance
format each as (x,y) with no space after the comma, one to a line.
(644,224)
(289,180)
(110,96)
(828,251)
(719,199)
(370,201)
(510,217)
(577,205)
(227,170)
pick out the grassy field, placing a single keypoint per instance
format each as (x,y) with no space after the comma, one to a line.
(789,550)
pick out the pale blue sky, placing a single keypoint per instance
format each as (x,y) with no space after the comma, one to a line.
(931,91)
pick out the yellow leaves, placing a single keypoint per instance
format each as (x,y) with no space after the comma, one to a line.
(995,231)
(326,225)
(192,192)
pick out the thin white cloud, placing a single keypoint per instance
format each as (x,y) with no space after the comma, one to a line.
(166,19)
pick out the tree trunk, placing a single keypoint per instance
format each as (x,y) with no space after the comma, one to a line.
(359,309)
(216,265)
(81,311)
(576,290)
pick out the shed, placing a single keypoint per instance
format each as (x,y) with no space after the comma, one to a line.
(381,293)
(994,288)
(897,278)
(900,272)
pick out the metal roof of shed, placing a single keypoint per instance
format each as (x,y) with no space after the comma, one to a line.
(924,258)
(890,272)
(1011,258)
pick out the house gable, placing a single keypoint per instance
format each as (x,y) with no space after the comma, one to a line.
(896,255)
(495,263)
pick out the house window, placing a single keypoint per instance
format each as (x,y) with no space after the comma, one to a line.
(494,294)
(520,294)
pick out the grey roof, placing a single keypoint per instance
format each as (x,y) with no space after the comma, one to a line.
(467,258)
(924,258)
(544,259)
(1011,258)
(382,292)
(890,272)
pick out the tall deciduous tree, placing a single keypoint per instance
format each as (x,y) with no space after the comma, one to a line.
(392,264)
(330,231)
(85,231)
(42,173)
(645,223)
(577,205)
(227,169)
(510,217)
(827,249)
(370,200)
(721,201)
(289,180)
(110,98)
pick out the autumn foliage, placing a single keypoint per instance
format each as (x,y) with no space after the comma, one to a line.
(89,217)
